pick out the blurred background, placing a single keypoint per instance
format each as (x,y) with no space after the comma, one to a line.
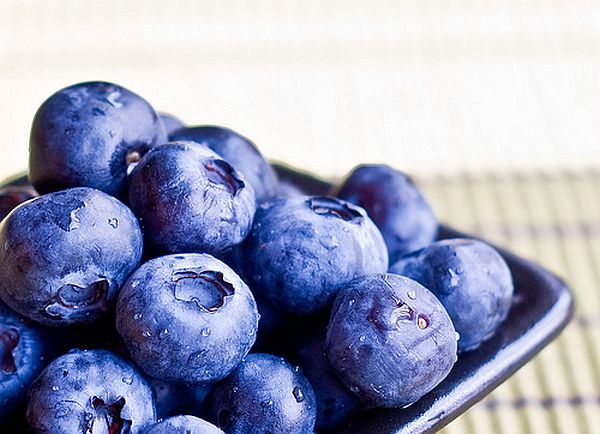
(428,86)
(493,106)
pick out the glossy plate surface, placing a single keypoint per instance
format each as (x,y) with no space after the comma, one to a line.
(542,307)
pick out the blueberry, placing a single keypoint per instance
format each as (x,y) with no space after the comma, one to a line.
(190,200)
(303,249)
(280,332)
(265,394)
(390,340)
(90,391)
(64,255)
(23,352)
(405,219)
(471,280)
(171,123)
(169,397)
(196,398)
(184,425)
(87,134)
(288,189)
(240,152)
(12,196)
(186,318)
(335,402)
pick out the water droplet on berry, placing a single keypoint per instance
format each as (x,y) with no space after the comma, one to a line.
(113,99)
(457,335)
(137,316)
(205,332)
(127,380)
(454,277)
(362,338)
(298,395)
(113,222)
(147,334)
(74,223)
(412,295)
(163,333)
(55,388)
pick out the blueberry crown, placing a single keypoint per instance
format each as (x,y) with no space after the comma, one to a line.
(221,173)
(323,205)
(207,289)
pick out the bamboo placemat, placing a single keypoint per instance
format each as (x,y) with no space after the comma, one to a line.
(552,218)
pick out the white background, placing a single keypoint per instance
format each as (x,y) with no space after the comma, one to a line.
(424,85)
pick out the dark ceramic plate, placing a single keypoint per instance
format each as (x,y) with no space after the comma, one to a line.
(542,307)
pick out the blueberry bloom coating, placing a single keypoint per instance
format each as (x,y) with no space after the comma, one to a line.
(90,391)
(471,280)
(240,152)
(64,255)
(303,249)
(170,123)
(12,196)
(189,199)
(335,402)
(397,207)
(187,318)
(390,340)
(87,134)
(184,425)
(22,358)
(265,394)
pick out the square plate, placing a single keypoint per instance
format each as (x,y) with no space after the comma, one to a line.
(542,306)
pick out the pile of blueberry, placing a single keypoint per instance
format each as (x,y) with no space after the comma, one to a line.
(165,281)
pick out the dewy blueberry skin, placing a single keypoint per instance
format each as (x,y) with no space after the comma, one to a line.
(303,249)
(187,318)
(397,207)
(471,280)
(87,134)
(22,357)
(64,255)
(390,340)
(189,199)
(265,394)
(90,391)
(240,152)
(184,425)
